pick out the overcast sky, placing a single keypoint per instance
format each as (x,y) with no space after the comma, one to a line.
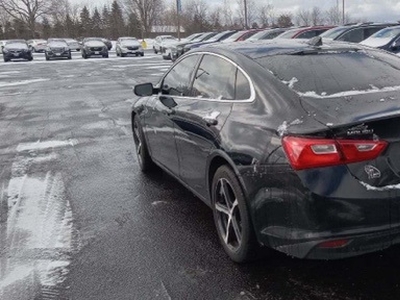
(373,10)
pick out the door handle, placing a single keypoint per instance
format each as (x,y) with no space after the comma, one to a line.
(211,118)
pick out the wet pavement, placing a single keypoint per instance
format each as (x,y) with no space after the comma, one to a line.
(79,221)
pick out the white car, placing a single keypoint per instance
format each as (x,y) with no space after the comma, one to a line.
(128,45)
(73,44)
(37,45)
(158,42)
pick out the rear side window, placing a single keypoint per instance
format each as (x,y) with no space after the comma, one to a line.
(307,35)
(370,31)
(243,91)
(354,36)
(177,82)
(324,74)
(215,79)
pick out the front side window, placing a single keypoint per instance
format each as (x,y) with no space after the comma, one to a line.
(177,82)
(215,79)
(307,35)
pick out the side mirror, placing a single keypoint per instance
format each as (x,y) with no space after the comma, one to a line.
(144,89)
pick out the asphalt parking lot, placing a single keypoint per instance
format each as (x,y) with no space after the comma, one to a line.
(79,221)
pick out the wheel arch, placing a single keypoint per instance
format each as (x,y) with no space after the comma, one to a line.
(216,160)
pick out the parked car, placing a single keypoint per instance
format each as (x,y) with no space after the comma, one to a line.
(174,44)
(37,45)
(129,45)
(16,49)
(267,34)
(219,37)
(57,49)
(178,50)
(304,32)
(241,35)
(159,40)
(387,39)
(354,33)
(306,166)
(73,44)
(94,47)
(108,43)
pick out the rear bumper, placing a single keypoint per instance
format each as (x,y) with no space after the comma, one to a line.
(295,212)
(355,242)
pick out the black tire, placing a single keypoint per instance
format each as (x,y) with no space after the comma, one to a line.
(146,164)
(155,51)
(30,58)
(228,200)
(122,54)
(105,55)
(6,60)
(47,58)
(142,54)
(70,56)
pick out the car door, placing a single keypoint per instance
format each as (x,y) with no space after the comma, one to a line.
(159,125)
(200,118)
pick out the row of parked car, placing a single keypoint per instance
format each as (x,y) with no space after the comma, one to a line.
(56,48)
(381,35)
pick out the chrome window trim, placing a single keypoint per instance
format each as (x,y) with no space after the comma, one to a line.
(252,89)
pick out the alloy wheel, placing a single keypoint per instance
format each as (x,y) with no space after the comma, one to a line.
(138,142)
(229,220)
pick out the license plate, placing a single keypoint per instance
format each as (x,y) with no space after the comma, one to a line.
(96,52)
(58,54)
(16,54)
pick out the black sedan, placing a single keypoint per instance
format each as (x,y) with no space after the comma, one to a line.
(57,48)
(294,145)
(94,47)
(16,49)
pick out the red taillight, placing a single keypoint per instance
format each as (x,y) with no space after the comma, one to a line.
(307,153)
(333,244)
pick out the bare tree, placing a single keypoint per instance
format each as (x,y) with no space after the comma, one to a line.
(333,16)
(147,11)
(266,15)
(27,11)
(303,17)
(196,16)
(316,16)
(251,12)
(227,14)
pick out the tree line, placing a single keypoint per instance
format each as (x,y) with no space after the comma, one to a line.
(141,18)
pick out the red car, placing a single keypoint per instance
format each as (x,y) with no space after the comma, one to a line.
(241,35)
(304,32)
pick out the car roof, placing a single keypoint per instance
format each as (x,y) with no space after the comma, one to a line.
(259,49)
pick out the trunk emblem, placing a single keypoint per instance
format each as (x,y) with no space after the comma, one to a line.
(372,172)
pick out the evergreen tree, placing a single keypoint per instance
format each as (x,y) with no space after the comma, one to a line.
(46,28)
(69,27)
(117,21)
(97,24)
(58,29)
(86,22)
(133,27)
(105,21)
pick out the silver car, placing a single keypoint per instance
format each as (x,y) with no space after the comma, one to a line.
(128,46)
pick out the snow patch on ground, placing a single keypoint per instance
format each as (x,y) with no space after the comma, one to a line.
(45,145)
(22,82)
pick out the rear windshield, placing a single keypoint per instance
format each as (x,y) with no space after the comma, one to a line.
(336,73)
